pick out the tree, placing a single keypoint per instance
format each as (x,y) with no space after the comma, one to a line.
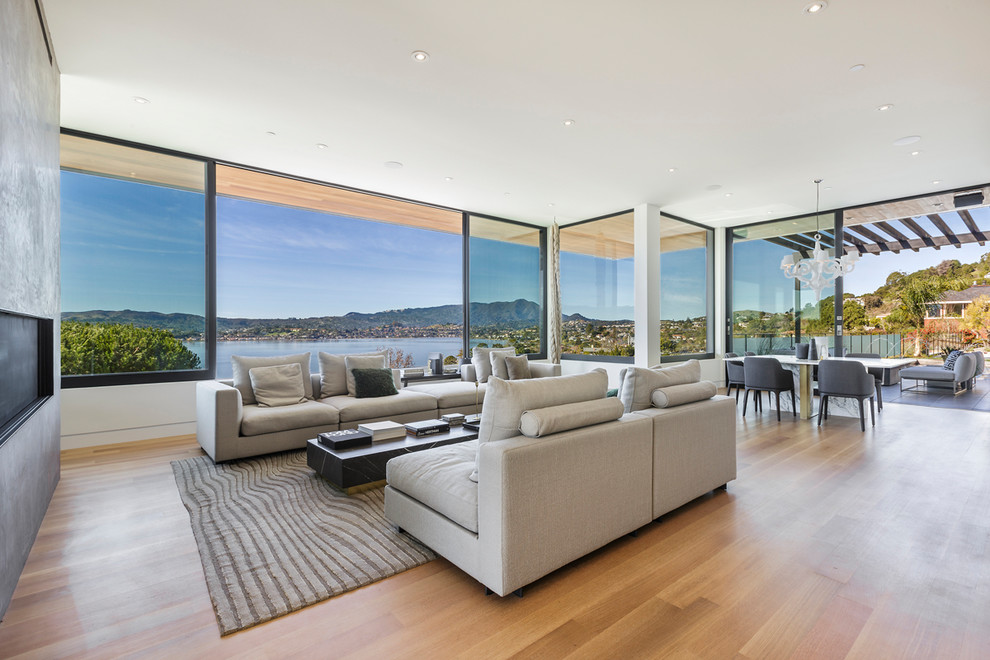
(976,317)
(110,348)
(853,315)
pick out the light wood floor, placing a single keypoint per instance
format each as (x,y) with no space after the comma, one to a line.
(832,543)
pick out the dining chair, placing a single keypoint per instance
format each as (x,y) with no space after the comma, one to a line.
(876,372)
(735,376)
(839,378)
(764,374)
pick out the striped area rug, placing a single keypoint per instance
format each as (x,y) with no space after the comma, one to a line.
(275,537)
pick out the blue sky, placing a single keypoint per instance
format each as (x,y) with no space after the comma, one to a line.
(127,245)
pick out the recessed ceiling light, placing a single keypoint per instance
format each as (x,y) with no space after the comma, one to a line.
(827,188)
(320,145)
(141,100)
(815,7)
(393,165)
(728,194)
(936,182)
(915,153)
(906,140)
(271,133)
(420,55)
(937,204)
(568,122)
(671,169)
(857,67)
(448,179)
(885,107)
(550,205)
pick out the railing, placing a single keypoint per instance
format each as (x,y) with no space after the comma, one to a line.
(934,343)
(887,345)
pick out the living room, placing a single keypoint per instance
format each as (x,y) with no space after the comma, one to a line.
(668,171)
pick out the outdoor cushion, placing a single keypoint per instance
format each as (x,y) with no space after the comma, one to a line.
(242,365)
(554,419)
(438,478)
(928,373)
(454,393)
(278,385)
(352,409)
(333,374)
(256,420)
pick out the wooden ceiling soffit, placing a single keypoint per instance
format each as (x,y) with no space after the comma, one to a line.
(944,228)
(285,191)
(785,242)
(608,238)
(506,232)
(882,244)
(908,208)
(79,154)
(971,225)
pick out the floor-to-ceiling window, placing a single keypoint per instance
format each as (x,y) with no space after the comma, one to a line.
(596,287)
(307,267)
(134,261)
(686,305)
(506,284)
(770,311)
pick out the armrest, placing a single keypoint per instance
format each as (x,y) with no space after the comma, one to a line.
(531,523)
(397,378)
(468,373)
(964,368)
(218,417)
(544,369)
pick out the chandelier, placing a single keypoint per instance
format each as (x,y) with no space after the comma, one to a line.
(820,270)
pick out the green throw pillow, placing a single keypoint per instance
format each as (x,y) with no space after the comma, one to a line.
(370,383)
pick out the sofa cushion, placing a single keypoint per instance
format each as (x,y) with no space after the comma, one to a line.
(257,420)
(482,362)
(928,373)
(554,419)
(372,383)
(242,365)
(353,409)
(454,393)
(950,360)
(438,478)
(278,385)
(333,372)
(352,362)
(499,368)
(678,395)
(517,368)
(638,383)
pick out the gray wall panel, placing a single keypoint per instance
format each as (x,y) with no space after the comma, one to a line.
(29,267)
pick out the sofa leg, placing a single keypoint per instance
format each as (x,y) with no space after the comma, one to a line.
(633,533)
(724,486)
(518,592)
(488,592)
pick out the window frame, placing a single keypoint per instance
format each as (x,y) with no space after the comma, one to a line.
(709,294)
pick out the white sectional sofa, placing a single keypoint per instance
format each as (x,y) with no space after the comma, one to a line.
(230,424)
(562,470)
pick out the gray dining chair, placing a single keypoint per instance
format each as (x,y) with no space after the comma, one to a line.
(735,376)
(764,374)
(837,378)
(748,353)
(876,372)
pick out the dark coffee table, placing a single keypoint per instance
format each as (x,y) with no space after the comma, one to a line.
(361,468)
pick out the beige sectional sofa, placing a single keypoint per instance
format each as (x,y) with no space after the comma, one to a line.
(562,470)
(231,424)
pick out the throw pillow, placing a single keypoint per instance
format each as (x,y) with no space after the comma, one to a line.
(950,360)
(555,419)
(499,368)
(279,385)
(333,372)
(242,365)
(637,384)
(677,395)
(370,383)
(483,363)
(517,367)
(352,362)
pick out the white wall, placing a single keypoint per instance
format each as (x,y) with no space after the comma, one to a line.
(106,415)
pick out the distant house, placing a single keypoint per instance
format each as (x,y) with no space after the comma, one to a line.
(949,310)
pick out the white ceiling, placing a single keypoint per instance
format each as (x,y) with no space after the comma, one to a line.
(755,98)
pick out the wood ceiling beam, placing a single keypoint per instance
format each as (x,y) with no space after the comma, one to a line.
(944,228)
(892,231)
(971,225)
(860,246)
(925,237)
(885,246)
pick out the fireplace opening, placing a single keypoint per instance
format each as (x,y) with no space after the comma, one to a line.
(26,368)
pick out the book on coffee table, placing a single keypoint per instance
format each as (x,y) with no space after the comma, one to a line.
(383,430)
(344,439)
(427,427)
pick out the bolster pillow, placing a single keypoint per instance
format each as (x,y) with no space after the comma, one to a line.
(567,416)
(677,395)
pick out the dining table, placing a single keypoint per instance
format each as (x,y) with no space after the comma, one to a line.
(803,371)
